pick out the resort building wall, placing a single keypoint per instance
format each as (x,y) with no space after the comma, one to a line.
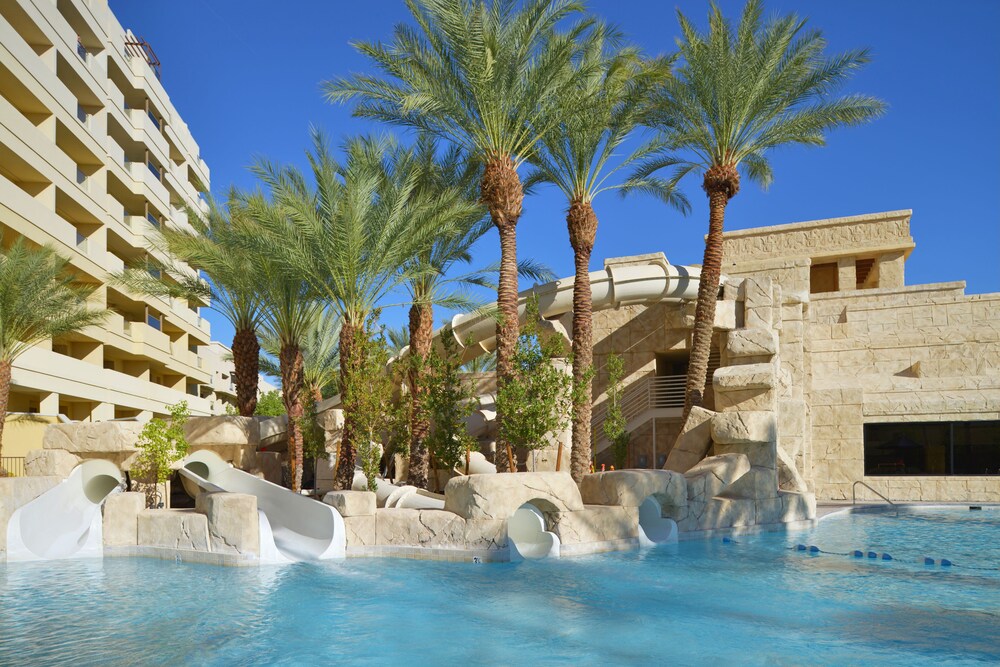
(93,158)
(896,386)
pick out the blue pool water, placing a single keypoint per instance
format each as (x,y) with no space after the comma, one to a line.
(753,602)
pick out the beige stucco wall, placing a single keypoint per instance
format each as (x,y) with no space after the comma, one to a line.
(77,130)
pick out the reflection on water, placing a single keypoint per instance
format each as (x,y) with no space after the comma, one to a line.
(754,601)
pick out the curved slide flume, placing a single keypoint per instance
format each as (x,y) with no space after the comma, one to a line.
(616,285)
(293,527)
(65,521)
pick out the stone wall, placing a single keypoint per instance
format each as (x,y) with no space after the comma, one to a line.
(923,353)
(880,354)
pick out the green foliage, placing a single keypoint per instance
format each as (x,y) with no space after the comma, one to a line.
(270,404)
(449,402)
(744,90)
(39,299)
(313,437)
(614,423)
(592,117)
(160,444)
(477,73)
(369,392)
(537,400)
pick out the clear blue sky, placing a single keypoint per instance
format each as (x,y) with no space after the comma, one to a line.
(245,75)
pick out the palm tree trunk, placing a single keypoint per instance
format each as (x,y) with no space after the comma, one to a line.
(246,356)
(582,224)
(421,331)
(503,195)
(343,476)
(292,381)
(721,185)
(5,368)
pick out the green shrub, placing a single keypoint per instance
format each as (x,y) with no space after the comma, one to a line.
(160,444)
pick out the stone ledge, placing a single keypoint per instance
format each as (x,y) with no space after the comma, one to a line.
(351,503)
(182,556)
(746,376)
(499,495)
(630,488)
(173,529)
(743,428)
(751,343)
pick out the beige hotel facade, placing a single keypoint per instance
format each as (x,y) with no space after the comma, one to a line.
(93,159)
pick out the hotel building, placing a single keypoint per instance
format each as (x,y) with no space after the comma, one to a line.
(94,158)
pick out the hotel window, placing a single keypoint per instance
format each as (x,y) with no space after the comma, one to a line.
(933,448)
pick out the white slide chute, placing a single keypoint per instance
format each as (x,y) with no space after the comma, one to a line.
(65,521)
(293,527)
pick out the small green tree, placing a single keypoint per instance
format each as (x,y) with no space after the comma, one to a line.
(538,400)
(160,444)
(450,401)
(369,391)
(269,404)
(614,423)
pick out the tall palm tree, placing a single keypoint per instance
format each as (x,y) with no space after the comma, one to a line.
(740,93)
(289,310)
(351,235)
(449,178)
(320,355)
(579,153)
(39,300)
(480,74)
(232,287)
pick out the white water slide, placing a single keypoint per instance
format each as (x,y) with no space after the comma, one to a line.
(65,521)
(292,527)
(654,281)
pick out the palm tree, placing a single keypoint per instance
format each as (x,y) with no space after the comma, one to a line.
(740,93)
(320,356)
(39,300)
(232,287)
(351,235)
(480,74)
(289,310)
(448,178)
(484,363)
(579,154)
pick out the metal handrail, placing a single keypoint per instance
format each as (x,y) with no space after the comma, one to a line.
(854,493)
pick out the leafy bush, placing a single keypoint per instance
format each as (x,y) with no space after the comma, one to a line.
(614,423)
(537,400)
(160,444)
(449,402)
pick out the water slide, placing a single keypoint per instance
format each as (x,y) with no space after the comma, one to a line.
(653,281)
(292,527)
(65,521)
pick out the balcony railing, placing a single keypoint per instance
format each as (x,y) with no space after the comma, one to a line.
(661,392)
(12,466)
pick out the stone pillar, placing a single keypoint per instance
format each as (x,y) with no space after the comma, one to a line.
(890,269)
(121,518)
(233,525)
(103,412)
(847,277)
(48,404)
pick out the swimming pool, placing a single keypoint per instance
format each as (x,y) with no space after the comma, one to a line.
(752,601)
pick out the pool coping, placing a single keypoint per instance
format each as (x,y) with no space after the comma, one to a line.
(832,509)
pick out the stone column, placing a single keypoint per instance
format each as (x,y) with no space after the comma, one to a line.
(847,277)
(49,404)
